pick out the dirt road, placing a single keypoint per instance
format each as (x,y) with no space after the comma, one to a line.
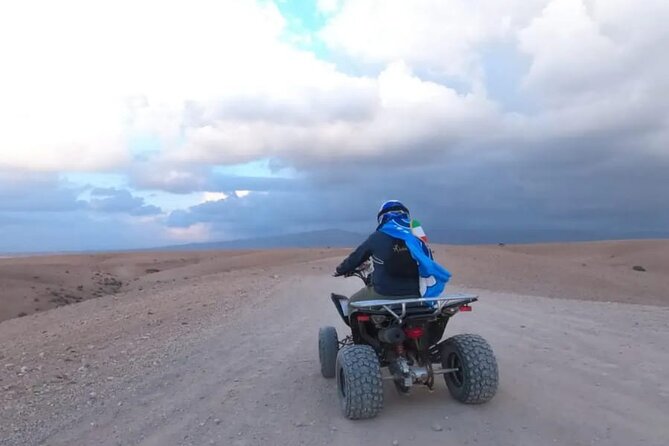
(229,373)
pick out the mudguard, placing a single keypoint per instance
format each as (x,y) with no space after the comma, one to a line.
(341,304)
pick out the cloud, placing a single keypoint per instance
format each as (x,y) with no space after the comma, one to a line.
(317,115)
(463,200)
(77,231)
(269,99)
(21,192)
(120,201)
(328,6)
(42,212)
(439,36)
(401,111)
(570,55)
(171,177)
(275,212)
(75,88)
(389,99)
(592,66)
(214,196)
(595,70)
(182,180)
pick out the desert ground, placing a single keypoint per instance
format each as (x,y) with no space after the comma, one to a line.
(199,348)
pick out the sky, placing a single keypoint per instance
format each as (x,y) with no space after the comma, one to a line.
(133,124)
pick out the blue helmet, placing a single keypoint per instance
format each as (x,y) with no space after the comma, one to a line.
(391,209)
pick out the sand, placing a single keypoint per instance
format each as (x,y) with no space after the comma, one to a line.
(592,271)
(32,284)
(601,271)
(220,348)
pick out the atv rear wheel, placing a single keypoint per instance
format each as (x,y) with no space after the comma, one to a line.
(328,346)
(359,383)
(476,379)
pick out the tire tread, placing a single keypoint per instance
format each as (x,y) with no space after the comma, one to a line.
(328,346)
(481,375)
(364,385)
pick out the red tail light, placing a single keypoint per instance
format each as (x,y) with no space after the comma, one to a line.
(414,332)
(465,308)
(363,317)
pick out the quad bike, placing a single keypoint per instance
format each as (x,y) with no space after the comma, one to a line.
(403,336)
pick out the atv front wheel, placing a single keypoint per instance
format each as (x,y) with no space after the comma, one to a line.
(359,383)
(476,378)
(328,345)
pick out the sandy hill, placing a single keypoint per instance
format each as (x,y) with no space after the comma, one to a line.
(219,347)
(593,270)
(39,283)
(598,270)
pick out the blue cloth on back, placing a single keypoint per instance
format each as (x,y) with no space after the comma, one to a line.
(434,275)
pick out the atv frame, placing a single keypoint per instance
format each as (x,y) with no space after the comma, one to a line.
(404,336)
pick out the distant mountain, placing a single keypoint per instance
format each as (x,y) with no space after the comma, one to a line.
(333,238)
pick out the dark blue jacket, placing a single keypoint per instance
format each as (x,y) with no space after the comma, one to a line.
(395,271)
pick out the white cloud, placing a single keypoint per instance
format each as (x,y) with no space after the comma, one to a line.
(72,71)
(213,196)
(401,110)
(570,55)
(594,66)
(215,82)
(51,131)
(597,68)
(328,6)
(439,35)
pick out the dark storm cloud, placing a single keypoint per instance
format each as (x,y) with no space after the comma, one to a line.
(565,189)
(47,193)
(75,231)
(120,201)
(280,211)
(32,192)
(40,213)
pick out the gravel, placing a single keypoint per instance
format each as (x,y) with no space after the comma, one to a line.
(247,362)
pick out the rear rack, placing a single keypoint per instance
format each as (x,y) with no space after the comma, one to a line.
(438,303)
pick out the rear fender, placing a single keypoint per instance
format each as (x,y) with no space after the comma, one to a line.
(341,304)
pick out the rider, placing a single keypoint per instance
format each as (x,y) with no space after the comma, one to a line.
(403,264)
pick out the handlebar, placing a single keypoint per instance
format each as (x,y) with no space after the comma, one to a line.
(361,274)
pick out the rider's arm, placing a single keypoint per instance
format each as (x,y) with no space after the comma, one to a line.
(356,258)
